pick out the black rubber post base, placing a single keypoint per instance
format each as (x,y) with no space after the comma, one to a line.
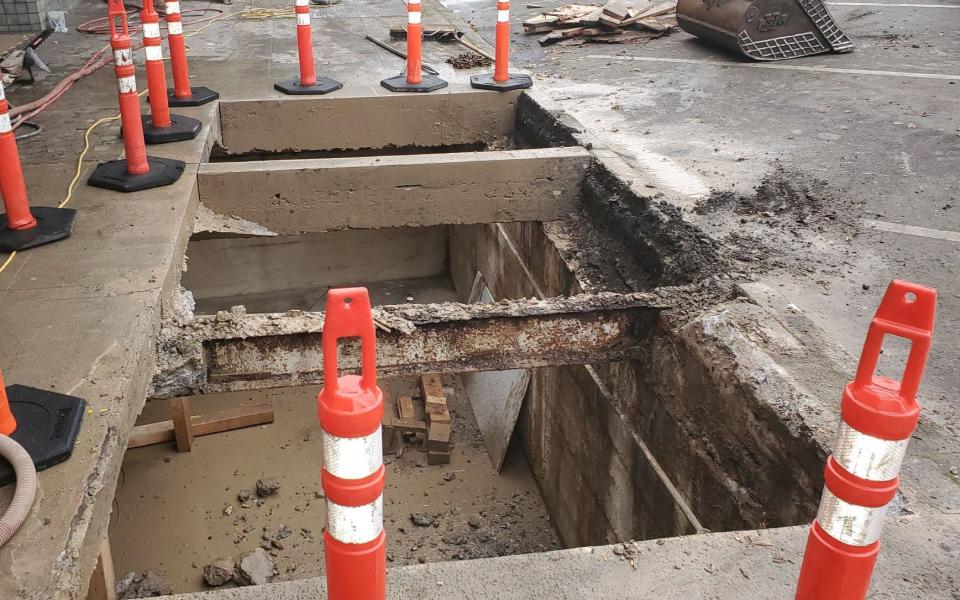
(487,82)
(198,96)
(52,224)
(113,175)
(292,87)
(181,128)
(428,83)
(47,426)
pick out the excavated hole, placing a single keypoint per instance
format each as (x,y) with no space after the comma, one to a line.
(578,468)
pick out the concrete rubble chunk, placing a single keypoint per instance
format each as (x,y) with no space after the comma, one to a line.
(150,584)
(267,487)
(255,568)
(421,519)
(219,572)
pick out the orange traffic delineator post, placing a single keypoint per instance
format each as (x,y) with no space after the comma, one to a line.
(878,415)
(308,83)
(45,423)
(350,409)
(501,79)
(182,94)
(160,127)
(413,79)
(138,171)
(20,226)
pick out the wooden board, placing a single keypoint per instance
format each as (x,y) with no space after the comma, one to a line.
(405,408)
(438,437)
(182,423)
(431,387)
(227,420)
(614,12)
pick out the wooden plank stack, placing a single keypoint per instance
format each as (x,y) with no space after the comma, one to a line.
(617,21)
(436,426)
(438,420)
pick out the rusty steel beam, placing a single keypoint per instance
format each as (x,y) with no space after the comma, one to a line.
(251,351)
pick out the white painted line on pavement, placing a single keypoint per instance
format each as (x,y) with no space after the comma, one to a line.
(745,65)
(937,234)
(885,4)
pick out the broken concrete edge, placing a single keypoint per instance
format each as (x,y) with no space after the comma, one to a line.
(727,566)
(652,227)
(183,358)
(122,372)
(209,224)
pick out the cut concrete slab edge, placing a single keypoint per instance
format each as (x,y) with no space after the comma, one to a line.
(734,565)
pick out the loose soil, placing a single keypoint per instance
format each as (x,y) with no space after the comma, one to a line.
(791,221)
(176,513)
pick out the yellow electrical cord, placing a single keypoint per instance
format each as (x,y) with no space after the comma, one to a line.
(248,13)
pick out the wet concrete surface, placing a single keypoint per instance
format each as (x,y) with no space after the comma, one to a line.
(879,126)
(176,513)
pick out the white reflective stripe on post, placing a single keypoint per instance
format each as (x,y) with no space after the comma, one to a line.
(866,456)
(303,18)
(503,16)
(151,30)
(352,458)
(355,524)
(173,8)
(175,28)
(302,3)
(849,523)
(127,84)
(413,2)
(154,52)
(5,123)
(413,17)
(123,57)
(3,94)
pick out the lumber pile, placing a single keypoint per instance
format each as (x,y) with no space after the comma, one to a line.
(433,424)
(617,21)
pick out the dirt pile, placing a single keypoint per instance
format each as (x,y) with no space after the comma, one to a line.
(790,221)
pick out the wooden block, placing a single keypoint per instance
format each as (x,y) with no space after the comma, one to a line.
(436,413)
(409,425)
(405,408)
(438,458)
(614,12)
(226,420)
(103,583)
(432,388)
(182,423)
(438,437)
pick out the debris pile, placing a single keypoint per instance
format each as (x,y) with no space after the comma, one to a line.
(617,21)
(150,584)
(469,60)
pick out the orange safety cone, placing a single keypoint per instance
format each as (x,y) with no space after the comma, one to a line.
(501,80)
(878,416)
(8,423)
(413,79)
(21,227)
(138,171)
(182,94)
(160,127)
(45,423)
(308,83)
(350,409)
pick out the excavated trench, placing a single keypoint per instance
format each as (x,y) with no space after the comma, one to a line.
(634,424)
